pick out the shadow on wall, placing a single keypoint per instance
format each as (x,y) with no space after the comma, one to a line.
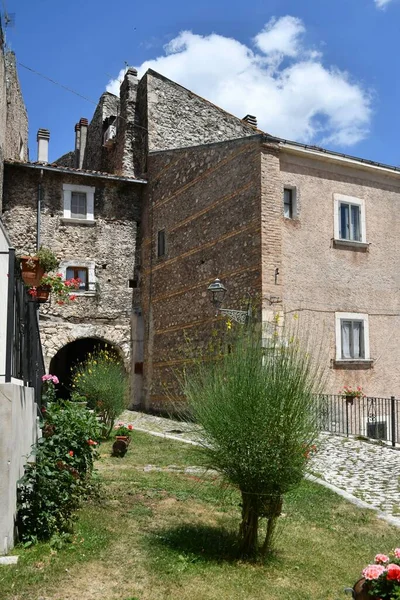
(64,362)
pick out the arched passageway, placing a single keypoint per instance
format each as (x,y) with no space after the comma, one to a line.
(66,359)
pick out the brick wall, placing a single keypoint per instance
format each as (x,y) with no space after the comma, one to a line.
(207,199)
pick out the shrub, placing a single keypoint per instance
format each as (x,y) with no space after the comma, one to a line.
(102,379)
(257,407)
(53,486)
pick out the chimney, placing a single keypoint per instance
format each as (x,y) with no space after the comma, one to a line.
(43,136)
(127,131)
(77,144)
(83,123)
(251,120)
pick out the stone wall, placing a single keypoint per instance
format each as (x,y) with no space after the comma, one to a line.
(207,200)
(176,117)
(16,143)
(321,278)
(98,158)
(110,244)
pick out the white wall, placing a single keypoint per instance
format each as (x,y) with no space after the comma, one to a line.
(4,246)
(18,431)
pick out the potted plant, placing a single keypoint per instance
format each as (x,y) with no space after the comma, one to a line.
(59,288)
(351,393)
(122,439)
(381,580)
(34,266)
(77,400)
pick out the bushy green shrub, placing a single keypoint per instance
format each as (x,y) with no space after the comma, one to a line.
(103,380)
(257,407)
(53,486)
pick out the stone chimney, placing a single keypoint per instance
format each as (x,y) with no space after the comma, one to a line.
(43,137)
(251,120)
(126,131)
(80,142)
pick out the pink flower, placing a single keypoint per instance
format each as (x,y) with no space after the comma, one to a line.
(381,559)
(393,572)
(397,552)
(54,379)
(46,377)
(373,572)
(92,443)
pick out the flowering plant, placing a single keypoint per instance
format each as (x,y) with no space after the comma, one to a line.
(383,576)
(49,391)
(354,393)
(122,429)
(61,289)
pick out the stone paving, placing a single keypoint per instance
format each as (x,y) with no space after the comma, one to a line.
(369,471)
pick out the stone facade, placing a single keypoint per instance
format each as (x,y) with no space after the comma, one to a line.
(212,229)
(106,246)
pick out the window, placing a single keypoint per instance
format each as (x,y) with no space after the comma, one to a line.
(79,203)
(352,337)
(78,273)
(161,243)
(349,222)
(289,202)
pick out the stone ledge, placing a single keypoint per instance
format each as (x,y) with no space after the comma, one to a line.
(351,244)
(353,364)
(86,222)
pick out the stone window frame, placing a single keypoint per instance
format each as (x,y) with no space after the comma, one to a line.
(90,265)
(338,199)
(68,188)
(347,316)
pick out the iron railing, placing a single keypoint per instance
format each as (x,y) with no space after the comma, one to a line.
(24,356)
(370,417)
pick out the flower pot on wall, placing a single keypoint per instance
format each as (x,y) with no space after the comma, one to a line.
(42,293)
(31,271)
(349,399)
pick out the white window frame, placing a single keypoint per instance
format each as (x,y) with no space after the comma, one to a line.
(294,201)
(339,199)
(68,188)
(87,264)
(344,316)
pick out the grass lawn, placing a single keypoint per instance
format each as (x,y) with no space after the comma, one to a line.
(168,535)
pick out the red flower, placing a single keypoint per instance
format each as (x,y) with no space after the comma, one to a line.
(92,443)
(393,572)
(72,297)
(71,452)
(130,427)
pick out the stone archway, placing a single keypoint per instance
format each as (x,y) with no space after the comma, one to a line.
(67,357)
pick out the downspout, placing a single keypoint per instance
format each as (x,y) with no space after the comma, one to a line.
(39,208)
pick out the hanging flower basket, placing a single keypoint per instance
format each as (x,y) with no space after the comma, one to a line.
(42,293)
(31,271)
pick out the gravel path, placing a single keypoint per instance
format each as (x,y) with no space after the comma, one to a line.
(368,471)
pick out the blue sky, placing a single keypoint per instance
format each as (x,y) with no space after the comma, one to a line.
(316,71)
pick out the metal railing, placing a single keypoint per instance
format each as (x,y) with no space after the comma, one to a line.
(24,356)
(370,417)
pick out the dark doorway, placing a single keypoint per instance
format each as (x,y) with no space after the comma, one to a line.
(64,362)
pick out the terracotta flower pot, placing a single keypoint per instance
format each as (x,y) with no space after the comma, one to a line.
(120,446)
(31,271)
(42,293)
(360,591)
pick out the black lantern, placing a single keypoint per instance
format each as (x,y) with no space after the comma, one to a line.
(217,292)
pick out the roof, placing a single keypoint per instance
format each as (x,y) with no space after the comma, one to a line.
(72,171)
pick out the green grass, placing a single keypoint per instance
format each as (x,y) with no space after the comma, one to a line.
(163,535)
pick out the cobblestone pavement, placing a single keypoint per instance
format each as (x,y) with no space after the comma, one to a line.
(368,471)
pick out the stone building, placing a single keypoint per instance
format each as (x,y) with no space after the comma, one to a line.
(299,228)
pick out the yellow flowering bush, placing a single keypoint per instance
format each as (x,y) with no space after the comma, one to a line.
(103,380)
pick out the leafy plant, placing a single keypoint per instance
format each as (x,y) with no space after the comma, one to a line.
(103,380)
(352,393)
(59,288)
(47,259)
(48,388)
(124,430)
(383,576)
(257,407)
(53,486)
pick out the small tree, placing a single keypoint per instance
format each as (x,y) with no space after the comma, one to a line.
(258,410)
(102,380)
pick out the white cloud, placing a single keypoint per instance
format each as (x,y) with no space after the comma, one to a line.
(382,3)
(281,81)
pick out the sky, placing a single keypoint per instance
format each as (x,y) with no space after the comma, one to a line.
(321,72)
